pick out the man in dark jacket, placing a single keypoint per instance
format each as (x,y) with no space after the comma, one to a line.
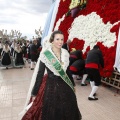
(94,61)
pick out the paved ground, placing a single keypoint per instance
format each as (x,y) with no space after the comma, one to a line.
(14,84)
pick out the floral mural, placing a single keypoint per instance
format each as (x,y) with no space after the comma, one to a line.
(96,23)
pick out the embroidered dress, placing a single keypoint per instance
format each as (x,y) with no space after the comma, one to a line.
(55,100)
(5,60)
(19,62)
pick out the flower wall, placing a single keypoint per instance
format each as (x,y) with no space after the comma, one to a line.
(98,23)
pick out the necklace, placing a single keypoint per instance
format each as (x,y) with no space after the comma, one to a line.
(62,63)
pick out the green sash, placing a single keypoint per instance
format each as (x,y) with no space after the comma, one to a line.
(58,68)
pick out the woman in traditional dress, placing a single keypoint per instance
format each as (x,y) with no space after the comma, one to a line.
(6,56)
(53,95)
(18,54)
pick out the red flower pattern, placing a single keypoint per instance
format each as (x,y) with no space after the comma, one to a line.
(108,11)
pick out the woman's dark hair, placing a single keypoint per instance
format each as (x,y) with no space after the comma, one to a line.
(53,35)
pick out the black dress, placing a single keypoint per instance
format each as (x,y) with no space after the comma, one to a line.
(58,101)
(33,52)
(19,58)
(6,60)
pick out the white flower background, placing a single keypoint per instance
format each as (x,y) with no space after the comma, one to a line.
(91,29)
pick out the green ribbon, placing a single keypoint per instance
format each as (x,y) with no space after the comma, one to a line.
(58,68)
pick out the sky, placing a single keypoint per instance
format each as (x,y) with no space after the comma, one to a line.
(23,15)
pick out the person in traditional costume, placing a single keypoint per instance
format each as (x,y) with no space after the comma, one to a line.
(94,61)
(75,55)
(18,54)
(78,68)
(53,95)
(6,56)
(33,53)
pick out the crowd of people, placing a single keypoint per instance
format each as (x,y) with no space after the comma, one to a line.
(52,90)
(17,53)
